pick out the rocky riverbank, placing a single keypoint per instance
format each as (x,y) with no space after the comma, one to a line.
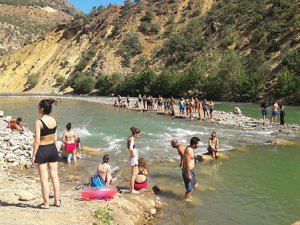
(20,194)
(15,147)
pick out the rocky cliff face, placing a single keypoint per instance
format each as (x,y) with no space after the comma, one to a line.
(96,44)
(22,22)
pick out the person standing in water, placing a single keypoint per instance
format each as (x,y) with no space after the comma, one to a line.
(188,172)
(282,113)
(70,141)
(133,156)
(274,113)
(180,148)
(45,153)
(213,145)
(211,108)
(264,107)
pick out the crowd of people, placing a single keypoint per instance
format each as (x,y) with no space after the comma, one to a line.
(45,153)
(187,106)
(275,109)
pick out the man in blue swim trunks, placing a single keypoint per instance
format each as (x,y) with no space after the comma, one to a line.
(188,172)
(274,113)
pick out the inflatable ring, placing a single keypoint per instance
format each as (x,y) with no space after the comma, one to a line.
(106,192)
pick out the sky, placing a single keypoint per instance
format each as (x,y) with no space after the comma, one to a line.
(87,5)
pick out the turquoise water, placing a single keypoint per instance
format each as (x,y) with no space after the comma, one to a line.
(257,184)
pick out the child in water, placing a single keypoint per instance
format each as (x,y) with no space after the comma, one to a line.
(141,180)
(104,170)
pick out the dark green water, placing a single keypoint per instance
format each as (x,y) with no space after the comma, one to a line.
(257,184)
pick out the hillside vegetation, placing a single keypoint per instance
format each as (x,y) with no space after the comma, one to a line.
(21,22)
(225,50)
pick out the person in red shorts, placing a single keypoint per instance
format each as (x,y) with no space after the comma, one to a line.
(70,143)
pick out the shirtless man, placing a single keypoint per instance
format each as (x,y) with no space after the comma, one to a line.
(274,113)
(104,170)
(180,148)
(213,145)
(181,106)
(188,172)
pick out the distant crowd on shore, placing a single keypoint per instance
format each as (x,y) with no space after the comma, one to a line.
(192,106)
(186,106)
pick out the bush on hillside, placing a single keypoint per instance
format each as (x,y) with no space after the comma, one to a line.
(149,28)
(130,47)
(60,80)
(82,83)
(32,81)
(147,18)
(287,86)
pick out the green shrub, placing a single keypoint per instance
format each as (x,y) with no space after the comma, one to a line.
(147,18)
(287,86)
(130,47)
(32,81)
(60,80)
(104,215)
(82,83)
(149,28)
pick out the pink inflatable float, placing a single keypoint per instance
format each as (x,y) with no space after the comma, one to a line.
(106,192)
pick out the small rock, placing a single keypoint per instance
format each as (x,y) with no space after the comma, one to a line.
(25,196)
(153,211)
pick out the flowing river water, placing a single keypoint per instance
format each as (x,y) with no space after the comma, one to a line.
(256,184)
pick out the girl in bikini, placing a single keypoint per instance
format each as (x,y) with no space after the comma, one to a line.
(70,142)
(141,180)
(133,156)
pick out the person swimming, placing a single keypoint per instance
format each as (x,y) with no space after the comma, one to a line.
(141,180)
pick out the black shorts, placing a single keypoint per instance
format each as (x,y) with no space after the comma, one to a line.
(46,153)
(189,184)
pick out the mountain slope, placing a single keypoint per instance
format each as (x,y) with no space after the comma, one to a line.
(24,21)
(230,45)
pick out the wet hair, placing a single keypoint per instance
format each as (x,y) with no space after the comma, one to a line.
(135,130)
(174,143)
(142,163)
(105,158)
(69,126)
(46,105)
(194,140)
(78,140)
(213,133)
(19,119)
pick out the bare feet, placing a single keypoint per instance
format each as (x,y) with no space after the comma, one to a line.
(134,192)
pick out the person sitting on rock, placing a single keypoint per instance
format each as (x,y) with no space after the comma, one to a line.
(141,180)
(16,124)
(213,145)
(104,170)
(237,111)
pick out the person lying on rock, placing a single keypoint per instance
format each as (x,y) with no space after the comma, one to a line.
(213,145)
(16,124)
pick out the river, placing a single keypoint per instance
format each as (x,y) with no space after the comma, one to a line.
(257,184)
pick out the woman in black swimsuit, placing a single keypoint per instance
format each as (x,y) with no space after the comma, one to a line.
(45,153)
